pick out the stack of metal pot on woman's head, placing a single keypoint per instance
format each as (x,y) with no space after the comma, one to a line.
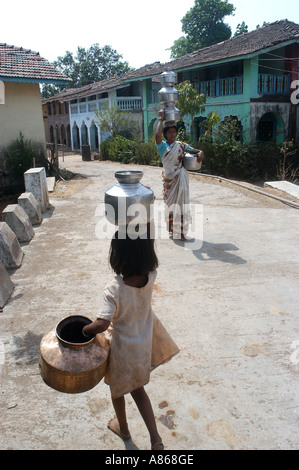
(168,97)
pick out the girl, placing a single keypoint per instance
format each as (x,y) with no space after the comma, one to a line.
(138,340)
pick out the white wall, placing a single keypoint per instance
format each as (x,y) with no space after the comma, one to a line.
(21,112)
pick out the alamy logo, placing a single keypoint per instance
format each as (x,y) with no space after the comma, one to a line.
(133,221)
(295,94)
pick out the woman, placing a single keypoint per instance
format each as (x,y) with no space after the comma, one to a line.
(175,177)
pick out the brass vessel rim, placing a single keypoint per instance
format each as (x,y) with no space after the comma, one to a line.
(65,322)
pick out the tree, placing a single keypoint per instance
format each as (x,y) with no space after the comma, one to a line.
(88,66)
(203,25)
(241,29)
(190,102)
(112,120)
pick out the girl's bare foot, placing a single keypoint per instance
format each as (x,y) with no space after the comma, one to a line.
(113,425)
(158,446)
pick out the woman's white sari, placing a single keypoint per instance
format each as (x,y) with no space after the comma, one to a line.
(176,189)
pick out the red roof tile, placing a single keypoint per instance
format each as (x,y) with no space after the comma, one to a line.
(19,64)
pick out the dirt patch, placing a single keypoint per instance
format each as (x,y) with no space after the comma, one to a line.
(65,189)
(62,190)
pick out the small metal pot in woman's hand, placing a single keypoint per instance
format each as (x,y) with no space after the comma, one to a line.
(190,162)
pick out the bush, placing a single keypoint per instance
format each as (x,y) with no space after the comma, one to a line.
(250,162)
(21,155)
(124,150)
(229,158)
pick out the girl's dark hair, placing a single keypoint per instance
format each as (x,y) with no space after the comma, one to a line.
(129,257)
(166,129)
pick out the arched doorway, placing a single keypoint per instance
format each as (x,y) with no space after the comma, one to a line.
(68,133)
(76,136)
(63,135)
(270,128)
(94,138)
(200,124)
(51,134)
(84,134)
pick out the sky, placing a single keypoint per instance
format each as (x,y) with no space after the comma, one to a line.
(139,31)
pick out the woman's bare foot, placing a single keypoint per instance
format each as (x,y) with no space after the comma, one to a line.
(113,425)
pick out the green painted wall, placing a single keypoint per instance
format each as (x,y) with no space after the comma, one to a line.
(235,105)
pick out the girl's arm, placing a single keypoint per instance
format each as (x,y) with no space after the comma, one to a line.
(98,326)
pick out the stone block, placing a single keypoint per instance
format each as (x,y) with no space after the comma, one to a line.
(6,285)
(36,183)
(32,208)
(11,254)
(51,183)
(19,222)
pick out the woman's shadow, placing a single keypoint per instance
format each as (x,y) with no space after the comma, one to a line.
(218,252)
(212,251)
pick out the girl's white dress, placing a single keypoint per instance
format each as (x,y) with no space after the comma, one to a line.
(138,340)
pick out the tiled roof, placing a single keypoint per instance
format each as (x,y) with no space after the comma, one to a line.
(23,64)
(87,90)
(249,43)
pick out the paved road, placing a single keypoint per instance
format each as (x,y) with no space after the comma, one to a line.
(230,303)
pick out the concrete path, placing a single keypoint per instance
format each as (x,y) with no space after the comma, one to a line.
(230,303)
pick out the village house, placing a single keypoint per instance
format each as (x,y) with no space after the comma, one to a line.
(21,72)
(250,78)
(71,115)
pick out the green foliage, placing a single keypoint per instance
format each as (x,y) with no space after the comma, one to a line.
(288,168)
(203,26)
(116,122)
(241,29)
(180,47)
(88,66)
(190,102)
(124,150)
(21,155)
(248,162)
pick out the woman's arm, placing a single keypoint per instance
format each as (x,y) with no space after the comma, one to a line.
(98,326)
(159,128)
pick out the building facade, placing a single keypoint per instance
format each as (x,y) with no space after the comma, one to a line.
(21,72)
(82,106)
(249,78)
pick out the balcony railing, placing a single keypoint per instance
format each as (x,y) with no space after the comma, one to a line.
(129,103)
(123,103)
(220,87)
(268,83)
(231,86)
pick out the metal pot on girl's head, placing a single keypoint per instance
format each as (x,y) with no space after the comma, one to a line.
(128,197)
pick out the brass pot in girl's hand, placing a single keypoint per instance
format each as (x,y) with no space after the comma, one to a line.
(71,362)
